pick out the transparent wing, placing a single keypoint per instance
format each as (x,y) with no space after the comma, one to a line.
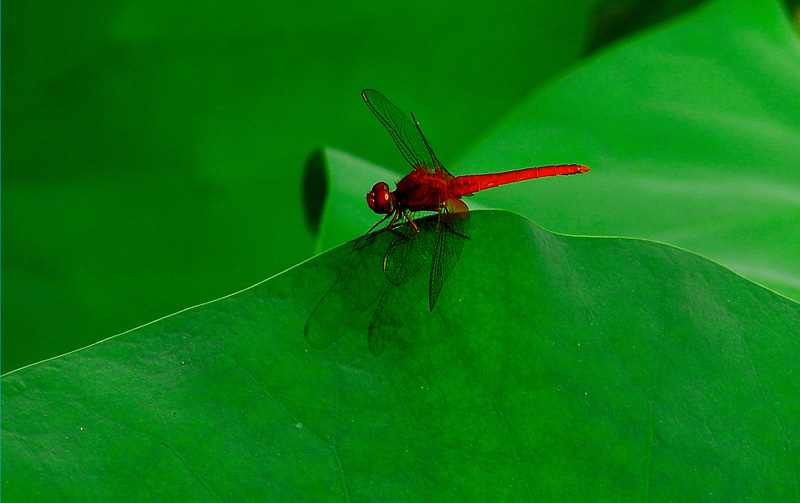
(451,233)
(356,288)
(406,134)
(409,253)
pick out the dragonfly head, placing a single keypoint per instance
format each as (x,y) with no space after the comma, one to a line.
(381,199)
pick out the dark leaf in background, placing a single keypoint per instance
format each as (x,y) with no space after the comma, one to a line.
(613,20)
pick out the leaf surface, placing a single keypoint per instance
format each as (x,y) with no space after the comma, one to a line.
(553,368)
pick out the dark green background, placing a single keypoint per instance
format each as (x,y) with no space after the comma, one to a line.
(153,152)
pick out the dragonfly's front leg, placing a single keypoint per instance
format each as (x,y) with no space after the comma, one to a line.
(394,216)
(412,223)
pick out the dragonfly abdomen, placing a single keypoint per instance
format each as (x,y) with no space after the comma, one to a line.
(466,185)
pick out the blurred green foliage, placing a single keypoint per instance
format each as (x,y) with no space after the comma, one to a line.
(153,152)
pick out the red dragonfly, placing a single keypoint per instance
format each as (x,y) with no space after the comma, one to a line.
(428,188)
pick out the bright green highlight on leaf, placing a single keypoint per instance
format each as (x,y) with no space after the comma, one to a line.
(692,132)
(553,368)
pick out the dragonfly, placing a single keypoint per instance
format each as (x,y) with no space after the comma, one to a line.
(429,189)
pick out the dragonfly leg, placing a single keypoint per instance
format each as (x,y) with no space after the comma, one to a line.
(400,239)
(414,227)
(413,224)
(394,216)
(452,223)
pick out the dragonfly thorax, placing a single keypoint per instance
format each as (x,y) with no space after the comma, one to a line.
(380,199)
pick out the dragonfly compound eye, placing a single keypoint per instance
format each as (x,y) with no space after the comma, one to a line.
(381,199)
